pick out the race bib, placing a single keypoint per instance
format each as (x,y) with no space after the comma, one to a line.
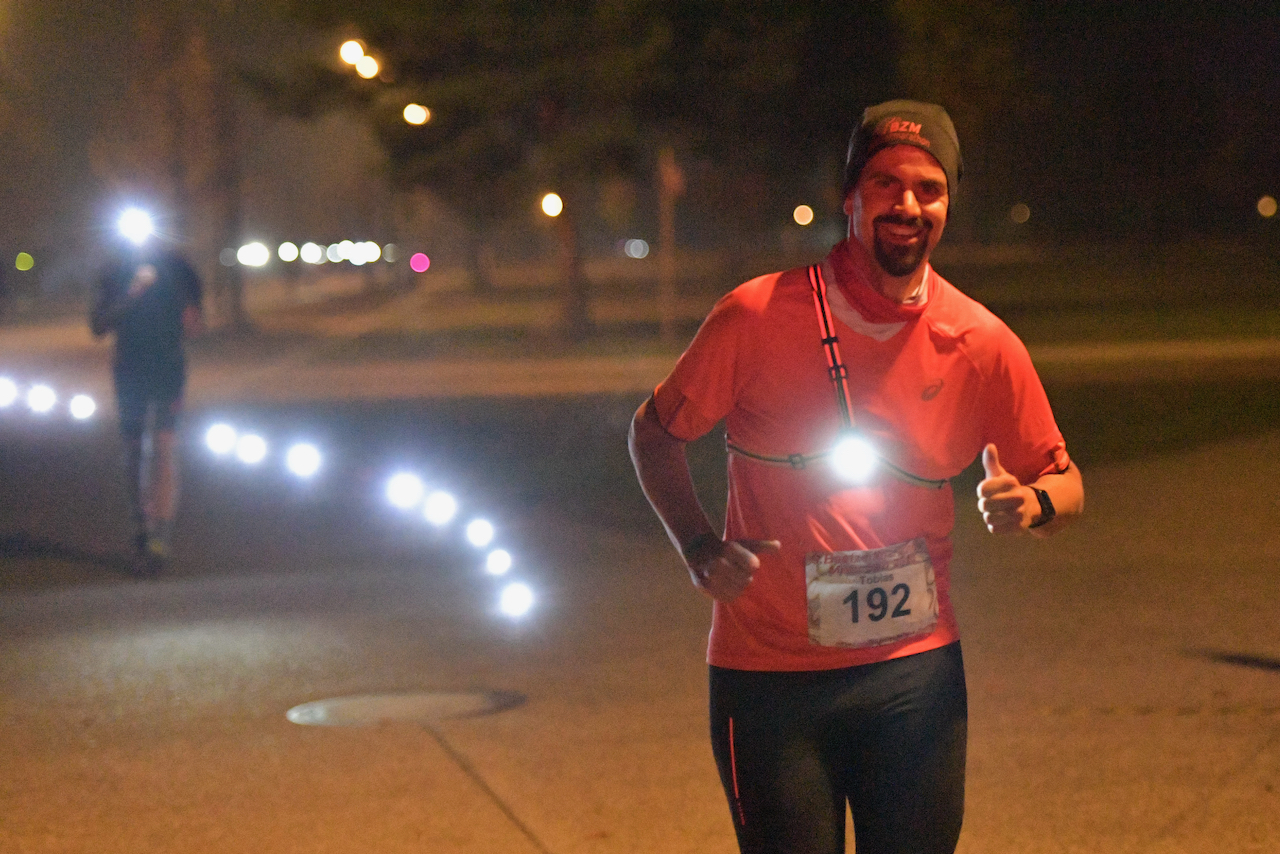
(869,598)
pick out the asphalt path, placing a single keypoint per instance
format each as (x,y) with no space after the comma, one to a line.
(1124,676)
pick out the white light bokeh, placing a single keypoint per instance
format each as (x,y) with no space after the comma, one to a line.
(82,407)
(220,438)
(8,392)
(253,254)
(498,562)
(854,459)
(303,459)
(287,252)
(251,449)
(41,398)
(312,253)
(552,204)
(404,490)
(480,532)
(334,253)
(636,248)
(365,252)
(515,600)
(440,508)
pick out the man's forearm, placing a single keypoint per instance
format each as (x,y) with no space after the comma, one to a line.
(663,472)
(1066,491)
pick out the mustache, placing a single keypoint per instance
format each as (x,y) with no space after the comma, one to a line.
(902,219)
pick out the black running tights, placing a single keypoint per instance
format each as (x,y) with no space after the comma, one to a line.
(886,738)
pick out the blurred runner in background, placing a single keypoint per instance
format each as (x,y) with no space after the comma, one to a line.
(150,297)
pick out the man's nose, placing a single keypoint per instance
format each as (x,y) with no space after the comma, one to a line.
(909,204)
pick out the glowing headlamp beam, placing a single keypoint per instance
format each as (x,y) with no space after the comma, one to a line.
(854,459)
(135,225)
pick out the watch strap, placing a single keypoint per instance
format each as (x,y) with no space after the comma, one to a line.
(1047,511)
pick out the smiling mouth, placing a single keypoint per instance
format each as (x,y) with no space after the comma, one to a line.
(902,229)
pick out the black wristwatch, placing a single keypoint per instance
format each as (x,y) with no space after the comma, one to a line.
(696,543)
(1046,508)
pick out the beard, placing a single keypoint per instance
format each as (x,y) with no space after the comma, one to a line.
(897,260)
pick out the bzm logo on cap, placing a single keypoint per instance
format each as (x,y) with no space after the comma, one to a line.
(890,127)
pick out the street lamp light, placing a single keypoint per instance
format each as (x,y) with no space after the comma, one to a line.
(351,52)
(552,205)
(367,67)
(416,114)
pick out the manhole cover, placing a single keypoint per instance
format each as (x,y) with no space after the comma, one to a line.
(424,708)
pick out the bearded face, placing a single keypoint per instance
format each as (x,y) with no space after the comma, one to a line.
(898,208)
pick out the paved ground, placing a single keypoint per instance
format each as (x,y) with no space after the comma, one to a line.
(1125,677)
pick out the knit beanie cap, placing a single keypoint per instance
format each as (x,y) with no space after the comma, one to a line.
(926,126)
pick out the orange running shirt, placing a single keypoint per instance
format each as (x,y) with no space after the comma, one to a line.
(930,383)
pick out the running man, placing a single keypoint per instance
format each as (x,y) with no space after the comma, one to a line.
(150,297)
(851,392)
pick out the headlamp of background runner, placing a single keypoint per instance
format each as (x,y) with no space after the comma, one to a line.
(854,459)
(135,225)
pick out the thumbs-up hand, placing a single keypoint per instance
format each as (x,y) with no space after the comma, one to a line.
(1006,505)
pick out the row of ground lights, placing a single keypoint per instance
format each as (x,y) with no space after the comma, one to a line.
(406,491)
(41,399)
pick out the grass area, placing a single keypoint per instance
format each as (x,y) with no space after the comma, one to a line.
(1115,293)
(1104,424)
(1140,323)
(1053,296)
(1136,293)
(570,454)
